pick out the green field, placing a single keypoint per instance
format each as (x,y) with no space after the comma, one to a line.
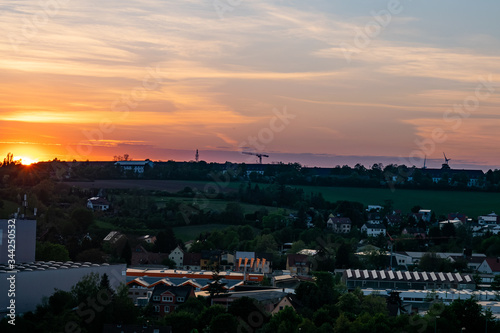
(441,202)
(214,204)
(193,231)
(105,225)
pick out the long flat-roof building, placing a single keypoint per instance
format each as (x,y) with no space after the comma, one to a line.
(23,232)
(406,280)
(36,280)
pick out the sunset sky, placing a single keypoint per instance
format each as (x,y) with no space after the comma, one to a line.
(321,82)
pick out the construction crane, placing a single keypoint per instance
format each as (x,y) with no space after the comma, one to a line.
(255,154)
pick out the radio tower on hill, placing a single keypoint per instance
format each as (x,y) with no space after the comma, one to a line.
(197,156)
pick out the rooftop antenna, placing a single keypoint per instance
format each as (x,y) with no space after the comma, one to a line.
(25,203)
(197,156)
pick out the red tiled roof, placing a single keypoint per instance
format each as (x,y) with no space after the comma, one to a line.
(494,264)
(293,259)
(99,201)
(340,220)
(142,257)
(192,259)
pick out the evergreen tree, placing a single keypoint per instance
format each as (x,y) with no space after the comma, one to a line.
(166,241)
(104,284)
(216,287)
(127,253)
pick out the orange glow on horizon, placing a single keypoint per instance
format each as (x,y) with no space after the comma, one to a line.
(25,160)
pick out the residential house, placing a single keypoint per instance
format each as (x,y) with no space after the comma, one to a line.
(456,223)
(494,229)
(266,298)
(135,166)
(166,299)
(457,216)
(177,256)
(490,266)
(227,261)
(192,261)
(298,264)
(415,232)
(148,239)
(401,259)
(140,256)
(481,230)
(398,258)
(490,219)
(98,204)
(114,237)
(210,258)
(406,259)
(374,218)
(472,260)
(426,215)
(340,225)
(394,219)
(478,230)
(287,301)
(308,252)
(373,230)
(188,244)
(374,208)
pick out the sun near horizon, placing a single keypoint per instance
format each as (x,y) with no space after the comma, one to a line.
(24,160)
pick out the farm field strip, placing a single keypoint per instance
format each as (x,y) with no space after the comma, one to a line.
(471,203)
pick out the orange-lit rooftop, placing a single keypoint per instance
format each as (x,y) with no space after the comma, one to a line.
(176,273)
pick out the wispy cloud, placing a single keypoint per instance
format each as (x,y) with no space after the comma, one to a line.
(222,78)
